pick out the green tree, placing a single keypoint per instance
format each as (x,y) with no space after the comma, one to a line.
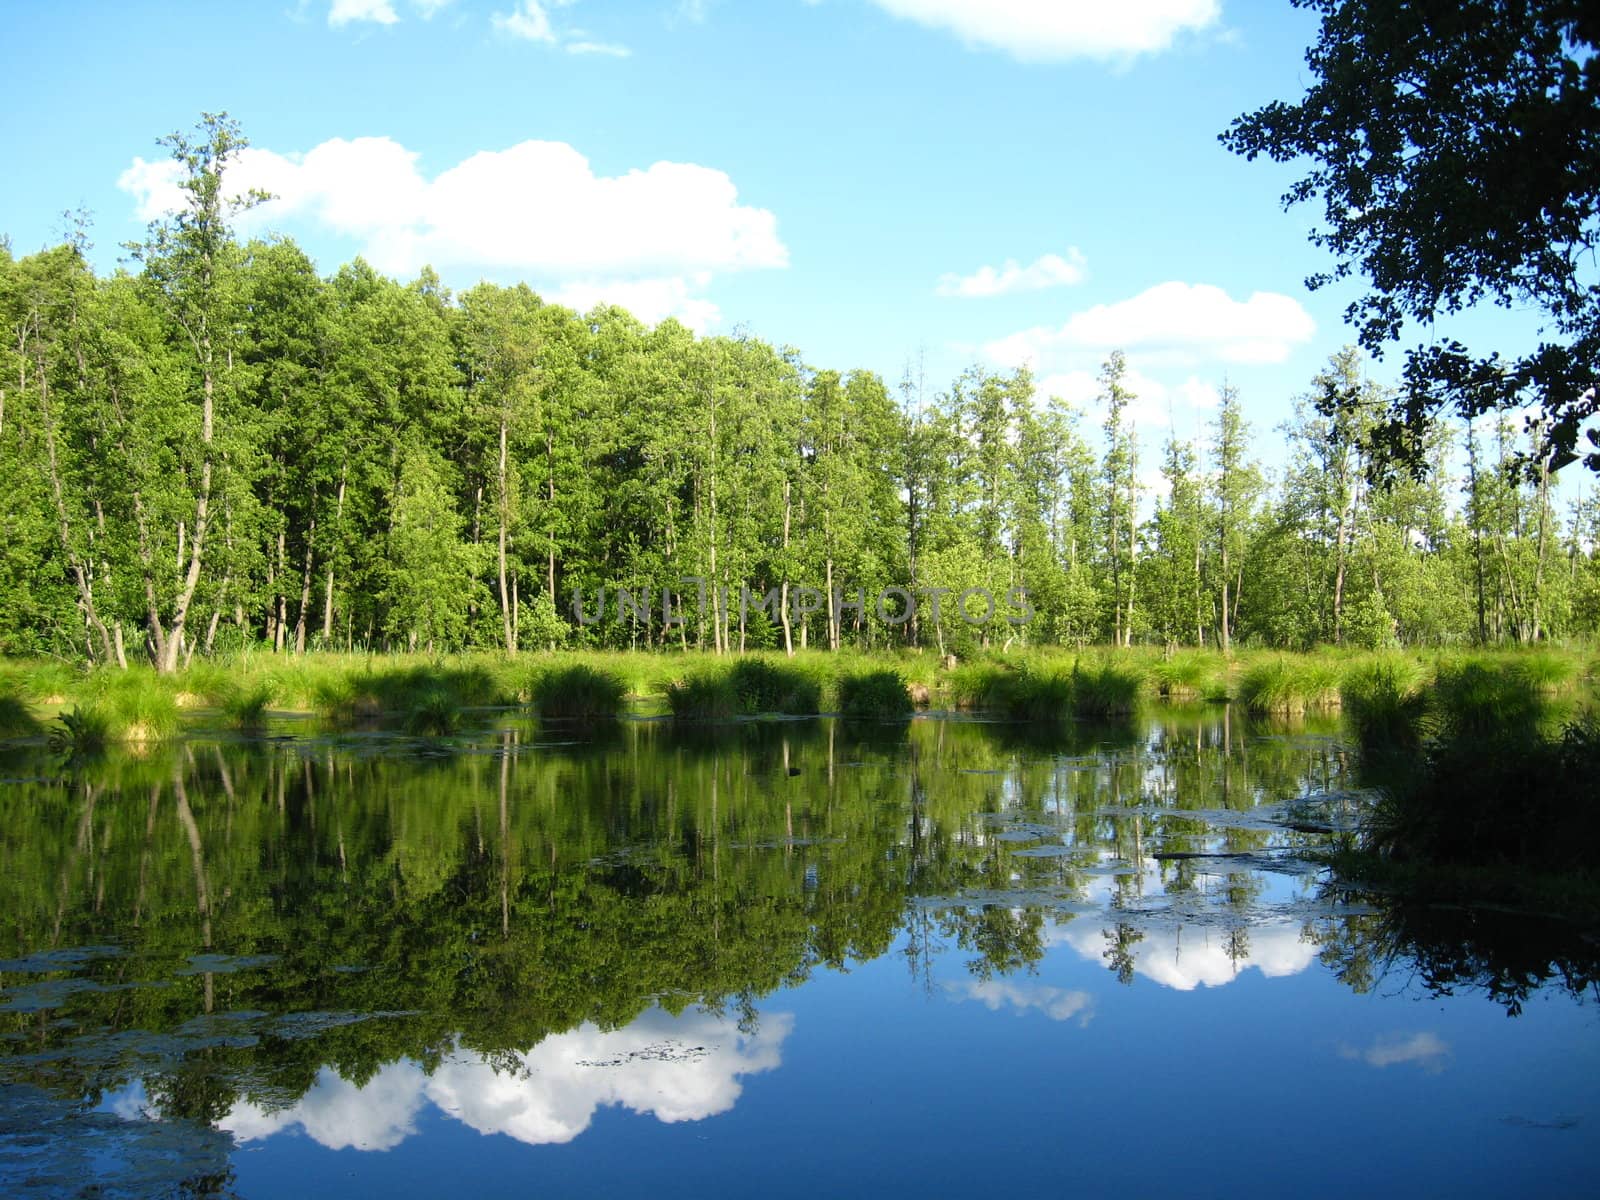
(1456,152)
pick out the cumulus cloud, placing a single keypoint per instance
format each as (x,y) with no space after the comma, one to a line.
(1047,271)
(1156,404)
(1058,1004)
(343,12)
(536,209)
(530,20)
(1057,30)
(683,1068)
(1180,323)
(1426,1050)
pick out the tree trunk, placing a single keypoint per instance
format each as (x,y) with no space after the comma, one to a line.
(502,507)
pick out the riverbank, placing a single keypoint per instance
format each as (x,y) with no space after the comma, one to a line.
(1046,684)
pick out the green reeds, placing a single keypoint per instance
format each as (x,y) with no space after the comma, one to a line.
(703,696)
(1106,689)
(882,695)
(244,706)
(433,713)
(1485,701)
(577,692)
(768,687)
(1282,684)
(1384,701)
(1191,675)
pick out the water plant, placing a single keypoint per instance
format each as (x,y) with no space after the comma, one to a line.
(433,713)
(1106,689)
(1282,684)
(245,705)
(703,696)
(875,694)
(578,692)
(1384,701)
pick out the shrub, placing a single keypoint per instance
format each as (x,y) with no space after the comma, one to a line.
(83,730)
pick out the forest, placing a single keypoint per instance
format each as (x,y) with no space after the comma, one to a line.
(217,446)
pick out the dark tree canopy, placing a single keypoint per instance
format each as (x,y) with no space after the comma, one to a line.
(1456,146)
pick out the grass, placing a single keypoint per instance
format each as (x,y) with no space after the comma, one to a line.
(1486,701)
(577,692)
(1512,798)
(433,713)
(1191,675)
(881,695)
(1290,684)
(1384,700)
(244,706)
(703,696)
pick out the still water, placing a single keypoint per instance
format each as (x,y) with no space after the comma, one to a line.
(778,958)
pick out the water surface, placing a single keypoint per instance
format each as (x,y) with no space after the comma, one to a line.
(779,957)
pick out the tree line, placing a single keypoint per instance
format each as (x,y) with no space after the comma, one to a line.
(218,446)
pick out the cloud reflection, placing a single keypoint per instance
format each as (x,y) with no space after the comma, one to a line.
(1426,1050)
(1189,957)
(681,1068)
(1058,1004)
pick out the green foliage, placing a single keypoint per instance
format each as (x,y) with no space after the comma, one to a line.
(1512,796)
(577,692)
(81,731)
(1485,702)
(875,694)
(1106,689)
(1453,148)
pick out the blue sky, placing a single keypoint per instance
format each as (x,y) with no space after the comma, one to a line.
(872,181)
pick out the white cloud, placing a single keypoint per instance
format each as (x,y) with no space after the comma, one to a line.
(1050,270)
(343,12)
(528,20)
(1056,1003)
(607,49)
(683,1068)
(1156,404)
(651,300)
(1180,323)
(536,209)
(1426,1050)
(1055,30)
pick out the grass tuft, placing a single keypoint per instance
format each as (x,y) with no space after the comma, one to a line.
(577,692)
(875,694)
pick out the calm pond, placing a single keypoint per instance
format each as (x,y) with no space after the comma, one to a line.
(779,958)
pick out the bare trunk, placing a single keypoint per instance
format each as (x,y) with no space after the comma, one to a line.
(502,507)
(305,591)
